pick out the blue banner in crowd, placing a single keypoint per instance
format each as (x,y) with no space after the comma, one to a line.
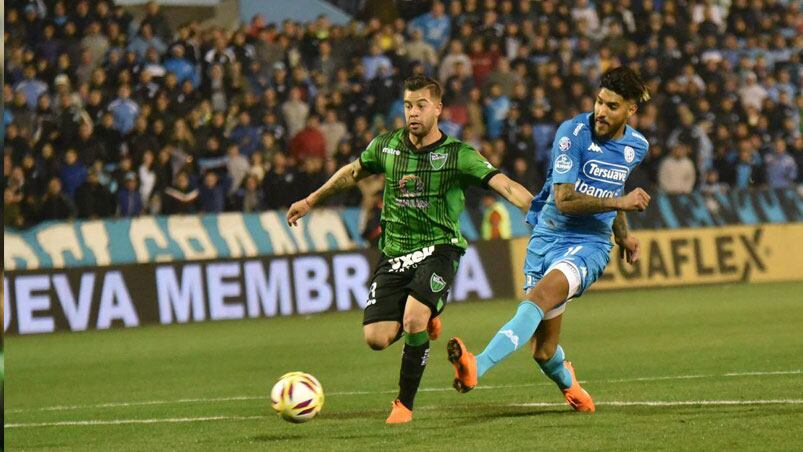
(235,235)
(721,209)
(186,238)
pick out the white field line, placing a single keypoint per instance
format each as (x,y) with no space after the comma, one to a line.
(393,391)
(175,420)
(670,403)
(616,403)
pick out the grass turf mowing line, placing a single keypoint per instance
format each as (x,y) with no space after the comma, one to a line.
(688,331)
(613,403)
(356,393)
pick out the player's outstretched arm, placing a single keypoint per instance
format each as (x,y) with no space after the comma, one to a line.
(345,178)
(511,190)
(568,201)
(629,246)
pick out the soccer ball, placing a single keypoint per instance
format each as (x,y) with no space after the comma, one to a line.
(297,397)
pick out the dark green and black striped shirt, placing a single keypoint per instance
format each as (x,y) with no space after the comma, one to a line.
(423,196)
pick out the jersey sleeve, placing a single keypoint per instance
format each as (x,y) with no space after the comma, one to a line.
(567,150)
(474,167)
(369,158)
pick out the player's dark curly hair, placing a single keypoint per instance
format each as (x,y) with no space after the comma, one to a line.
(416,82)
(626,83)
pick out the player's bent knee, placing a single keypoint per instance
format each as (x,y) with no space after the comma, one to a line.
(414,323)
(379,338)
(546,297)
(377,342)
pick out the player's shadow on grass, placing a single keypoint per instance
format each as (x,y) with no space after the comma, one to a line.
(277,437)
(481,414)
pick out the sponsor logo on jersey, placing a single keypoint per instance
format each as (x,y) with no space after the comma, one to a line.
(630,154)
(411,189)
(437,160)
(564,144)
(411,185)
(563,164)
(391,151)
(577,129)
(590,190)
(401,263)
(595,148)
(437,283)
(605,172)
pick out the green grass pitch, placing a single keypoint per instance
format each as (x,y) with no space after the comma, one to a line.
(716,367)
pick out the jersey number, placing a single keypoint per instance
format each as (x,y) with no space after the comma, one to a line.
(371,295)
(573,250)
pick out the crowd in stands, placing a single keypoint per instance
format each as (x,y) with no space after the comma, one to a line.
(109,116)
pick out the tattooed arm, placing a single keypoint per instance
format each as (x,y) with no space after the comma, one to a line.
(345,178)
(512,191)
(568,201)
(620,228)
(629,246)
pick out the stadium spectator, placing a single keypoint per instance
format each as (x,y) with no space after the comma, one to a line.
(294,112)
(454,56)
(435,26)
(495,218)
(147,178)
(124,110)
(496,109)
(747,166)
(780,166)
(211,195)
(55,205)
(334,130)
(180,66)
(309,142)
(30,87)
(250,197)
(129,198)
(89,147)
(73,172)
(157,21)
(12,209)
(416,49)
(676,174)
(144,40)
(237,167)
(280,184)
(94,200)
(180,198)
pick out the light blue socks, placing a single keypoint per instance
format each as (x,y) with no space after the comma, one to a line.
(556,371)
(512,336)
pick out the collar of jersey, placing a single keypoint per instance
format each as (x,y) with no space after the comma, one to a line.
(425,149)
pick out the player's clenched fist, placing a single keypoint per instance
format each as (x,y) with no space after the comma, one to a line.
(296,211)
(637,199)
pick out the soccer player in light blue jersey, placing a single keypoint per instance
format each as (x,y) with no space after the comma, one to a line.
(580,205)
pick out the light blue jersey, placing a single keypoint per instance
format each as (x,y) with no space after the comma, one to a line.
(596,168)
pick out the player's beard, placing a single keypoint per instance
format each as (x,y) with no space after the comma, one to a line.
(421,128)
(606,130)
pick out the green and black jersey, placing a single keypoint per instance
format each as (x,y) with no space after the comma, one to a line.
(424,189)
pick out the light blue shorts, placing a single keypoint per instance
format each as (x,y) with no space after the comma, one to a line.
(582,263)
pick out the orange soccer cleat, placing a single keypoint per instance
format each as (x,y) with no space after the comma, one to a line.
(434,328)
(400,414)
(465,364)
(577,397)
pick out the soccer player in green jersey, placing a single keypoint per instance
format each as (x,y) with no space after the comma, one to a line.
(426,174)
